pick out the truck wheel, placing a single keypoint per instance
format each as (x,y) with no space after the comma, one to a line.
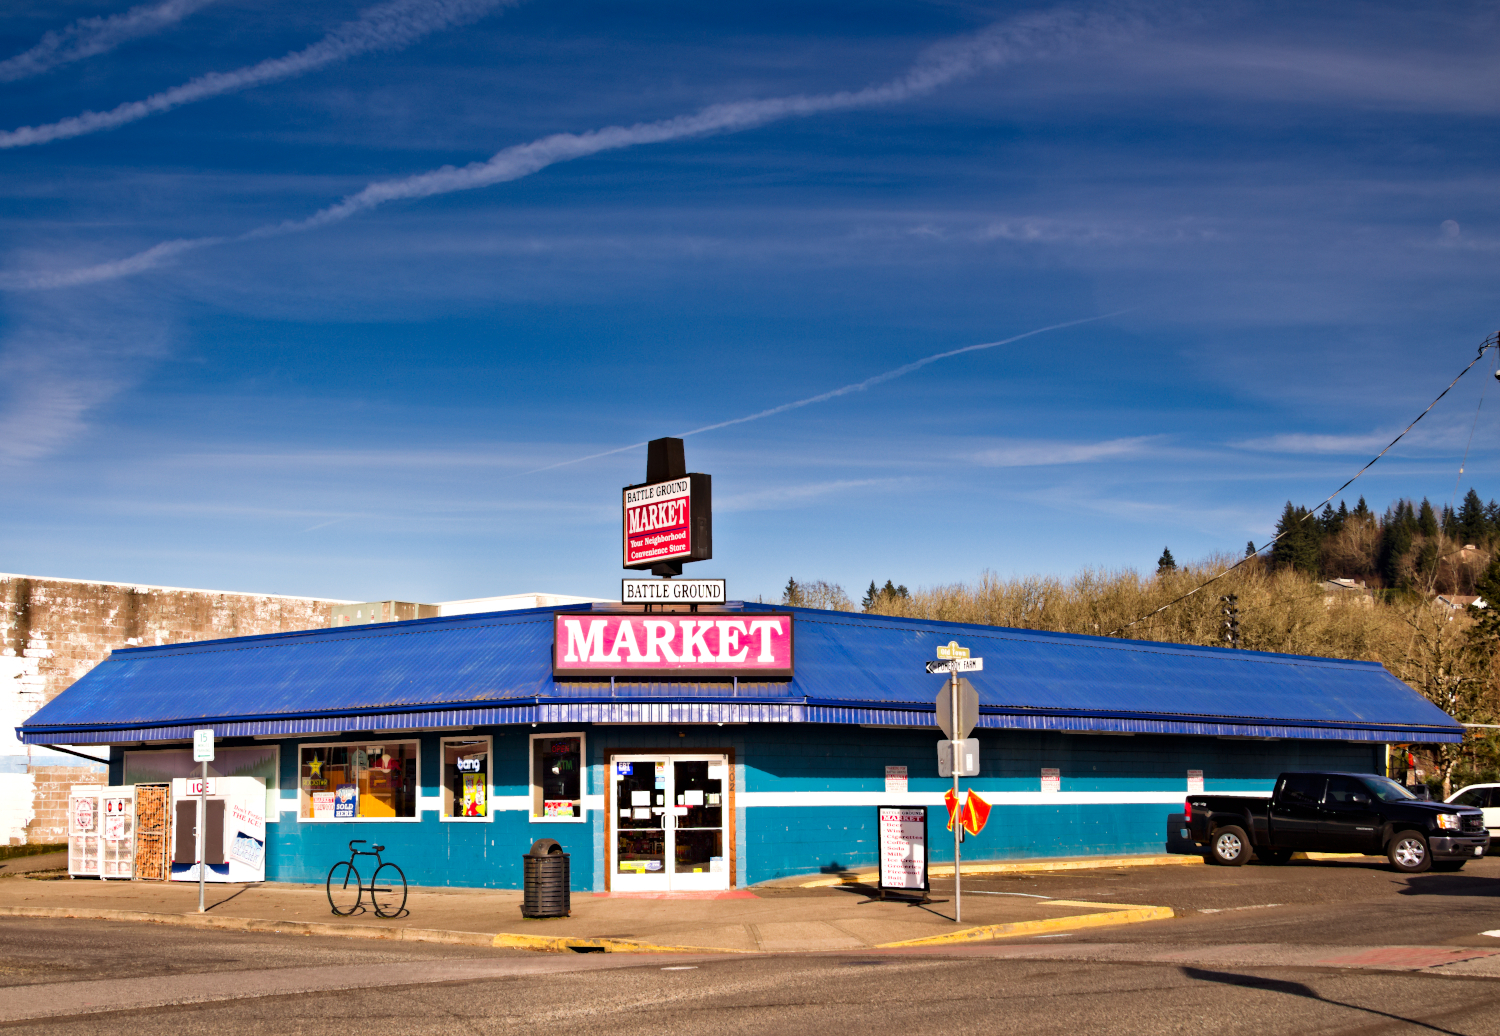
(1229,847)
(1273,856)
(1408,852)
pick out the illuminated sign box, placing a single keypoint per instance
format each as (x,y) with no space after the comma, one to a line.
(668,521)
(754,645)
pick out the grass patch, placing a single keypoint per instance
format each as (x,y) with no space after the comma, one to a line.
(11,852)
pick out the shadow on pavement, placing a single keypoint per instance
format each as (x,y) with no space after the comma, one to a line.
(1229,978)
(1450,885)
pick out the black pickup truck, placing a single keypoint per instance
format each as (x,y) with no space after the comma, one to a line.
(1337,813)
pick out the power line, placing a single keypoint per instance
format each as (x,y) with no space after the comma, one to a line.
(1489,343)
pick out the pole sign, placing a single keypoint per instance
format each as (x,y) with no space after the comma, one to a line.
(756,645)
(673,591)
(669,521)
(903,848)
(203,746)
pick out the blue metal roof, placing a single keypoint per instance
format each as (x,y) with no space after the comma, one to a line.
(851,668)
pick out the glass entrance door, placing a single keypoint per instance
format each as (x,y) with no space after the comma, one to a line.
(668,822)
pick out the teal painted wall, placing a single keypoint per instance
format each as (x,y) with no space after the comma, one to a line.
(786,840)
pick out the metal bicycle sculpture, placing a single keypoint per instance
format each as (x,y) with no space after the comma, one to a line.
(387,888)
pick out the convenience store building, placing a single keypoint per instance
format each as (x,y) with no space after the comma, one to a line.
(727,746)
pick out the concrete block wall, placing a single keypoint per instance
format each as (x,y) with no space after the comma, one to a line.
(807,798)
(53,631)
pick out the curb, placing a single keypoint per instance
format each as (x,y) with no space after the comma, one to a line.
(565,944)
(255,924)
(1123,915)
(1080,864)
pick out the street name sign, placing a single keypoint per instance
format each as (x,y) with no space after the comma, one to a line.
(956,665)
(952,650)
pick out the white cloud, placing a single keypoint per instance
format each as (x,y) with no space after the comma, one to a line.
(389,26)
(1041,452)
(792,496)
(88,37)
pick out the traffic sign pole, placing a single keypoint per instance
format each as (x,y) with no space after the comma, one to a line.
(203,750)
(958,827)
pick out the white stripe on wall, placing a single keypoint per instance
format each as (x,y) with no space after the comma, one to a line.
(935,798)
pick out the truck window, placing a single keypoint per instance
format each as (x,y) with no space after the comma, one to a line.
(1303,789)
(1387,790)
(1342,792)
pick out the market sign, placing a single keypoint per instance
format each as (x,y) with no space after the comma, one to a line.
(754,645)
(668,521)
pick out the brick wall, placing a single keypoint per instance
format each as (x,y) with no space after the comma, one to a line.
(50,821)
(53,631)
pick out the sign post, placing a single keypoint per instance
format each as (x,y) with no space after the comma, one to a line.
(957,714)
(203,752)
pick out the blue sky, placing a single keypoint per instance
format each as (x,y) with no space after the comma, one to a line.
(322,297)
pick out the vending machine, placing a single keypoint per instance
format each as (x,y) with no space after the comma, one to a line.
(101,831)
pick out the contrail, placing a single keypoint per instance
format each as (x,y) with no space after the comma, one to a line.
(89,36)
(1041,35)
(389,26)
(857,386)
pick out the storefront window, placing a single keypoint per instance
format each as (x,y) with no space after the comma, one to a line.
(466,778)
(557,783)
(374,780)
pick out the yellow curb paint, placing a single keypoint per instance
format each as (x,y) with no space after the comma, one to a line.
(565,944)
(1132,915)
(258,924)
(1086,863)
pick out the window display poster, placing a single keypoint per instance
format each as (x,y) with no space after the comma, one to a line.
(345,802)
(903,847)
(1051,779)
(322,805)
(1195,782)
(474,804)
(557,808)
(895,780)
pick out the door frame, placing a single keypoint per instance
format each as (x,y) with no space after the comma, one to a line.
(730,825)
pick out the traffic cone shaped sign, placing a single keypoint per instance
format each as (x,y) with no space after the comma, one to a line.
(976,813)
(951,801)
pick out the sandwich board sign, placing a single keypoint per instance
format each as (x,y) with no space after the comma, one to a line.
(903,849)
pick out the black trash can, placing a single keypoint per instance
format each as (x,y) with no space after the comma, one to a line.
(545,881)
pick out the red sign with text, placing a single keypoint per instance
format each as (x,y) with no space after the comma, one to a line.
(754,644)
(658,522)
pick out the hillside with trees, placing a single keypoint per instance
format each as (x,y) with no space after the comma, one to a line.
(1345,583)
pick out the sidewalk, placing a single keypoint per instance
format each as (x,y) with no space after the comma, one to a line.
(763,919)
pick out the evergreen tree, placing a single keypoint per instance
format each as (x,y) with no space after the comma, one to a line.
(888,590)
(903,593)
(1427,523)
(1249,548)
(1166,563)
(1395,544)
(1472,523)
(1297,546)
(871,596)
(1449,521)
(1362,510)
(1328,521)
(1343,513)
(792,594)
(1492,517)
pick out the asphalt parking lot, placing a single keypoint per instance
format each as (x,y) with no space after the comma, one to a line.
(1343,946)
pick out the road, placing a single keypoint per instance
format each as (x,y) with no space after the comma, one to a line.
(1305,949)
